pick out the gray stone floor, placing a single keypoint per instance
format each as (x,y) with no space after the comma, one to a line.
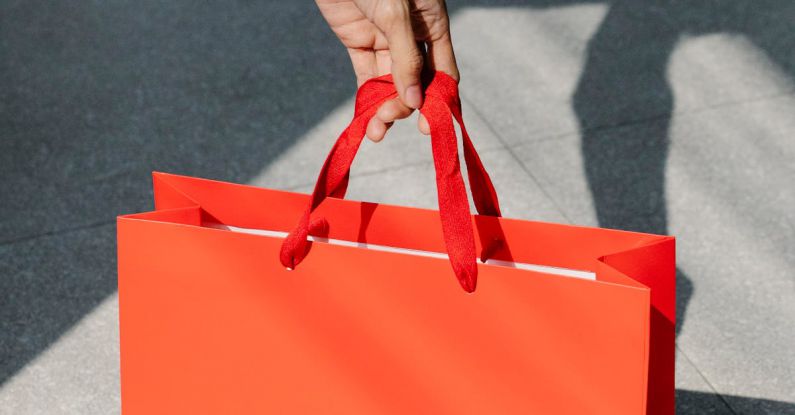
(666,117)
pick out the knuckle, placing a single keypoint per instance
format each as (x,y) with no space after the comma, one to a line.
(392,110)
(413,61)
(391,12)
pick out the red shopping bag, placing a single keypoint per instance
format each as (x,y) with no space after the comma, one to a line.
(241,300)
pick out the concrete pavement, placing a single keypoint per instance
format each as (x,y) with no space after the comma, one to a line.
(627,114)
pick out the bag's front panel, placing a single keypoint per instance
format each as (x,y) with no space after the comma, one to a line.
(211,323)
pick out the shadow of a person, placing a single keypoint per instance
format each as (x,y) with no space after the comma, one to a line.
(624,101)
(624,104)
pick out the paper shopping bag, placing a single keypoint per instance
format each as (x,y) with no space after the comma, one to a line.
(242,300)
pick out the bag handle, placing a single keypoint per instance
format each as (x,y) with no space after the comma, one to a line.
(441,100)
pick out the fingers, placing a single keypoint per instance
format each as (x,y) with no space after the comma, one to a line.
(376,130)
(403,56)
(393,18)
(387,114)
(423,126)
(441,56)
(364,65)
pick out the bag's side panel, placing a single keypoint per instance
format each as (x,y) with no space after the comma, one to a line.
(211,323)
(566,246)
(190,215)
(167,196)
(233,204)
(654,266)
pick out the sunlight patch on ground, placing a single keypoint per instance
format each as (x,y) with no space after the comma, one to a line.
(77,374)
(730,172)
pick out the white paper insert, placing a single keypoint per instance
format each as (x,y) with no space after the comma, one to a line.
(566,272)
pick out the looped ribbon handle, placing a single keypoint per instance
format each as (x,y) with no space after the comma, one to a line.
(441,101)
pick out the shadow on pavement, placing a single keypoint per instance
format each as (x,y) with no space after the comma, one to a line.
(96,95)
(623,85)
(691,402)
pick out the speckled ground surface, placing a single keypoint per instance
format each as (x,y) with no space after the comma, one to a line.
(669,118)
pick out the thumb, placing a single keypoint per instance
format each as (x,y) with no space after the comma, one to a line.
(394,20)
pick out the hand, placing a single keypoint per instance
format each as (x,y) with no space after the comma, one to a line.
(384,36)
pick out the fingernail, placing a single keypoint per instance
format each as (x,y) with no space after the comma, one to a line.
(414,96)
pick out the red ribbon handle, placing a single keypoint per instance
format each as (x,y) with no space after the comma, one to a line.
(441,101)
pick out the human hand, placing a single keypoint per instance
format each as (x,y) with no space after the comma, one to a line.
(398,37)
